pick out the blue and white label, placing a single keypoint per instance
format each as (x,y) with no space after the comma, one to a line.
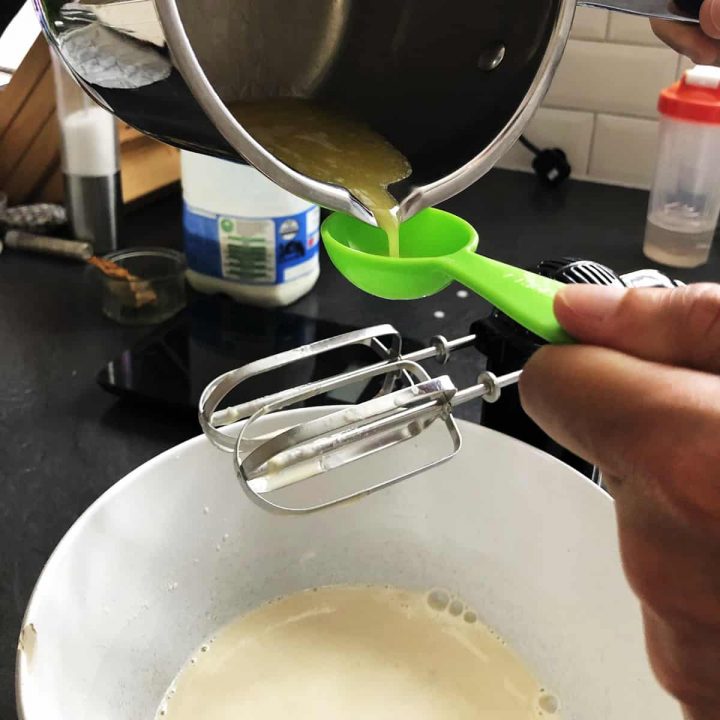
(257,251)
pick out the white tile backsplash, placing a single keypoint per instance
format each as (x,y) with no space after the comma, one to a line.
(567,129)
(602,106)
(631,30)
(624,150)
(605,77)
(590,24)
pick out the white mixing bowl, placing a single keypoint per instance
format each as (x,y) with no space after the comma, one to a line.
(176,550)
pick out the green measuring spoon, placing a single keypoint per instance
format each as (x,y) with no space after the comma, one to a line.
(435,249)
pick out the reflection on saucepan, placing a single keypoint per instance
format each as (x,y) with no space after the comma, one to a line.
(113,45)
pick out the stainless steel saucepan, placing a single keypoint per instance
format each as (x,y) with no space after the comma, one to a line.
(451,84)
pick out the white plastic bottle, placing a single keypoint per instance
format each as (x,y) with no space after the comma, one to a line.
(685,199)
(245,236)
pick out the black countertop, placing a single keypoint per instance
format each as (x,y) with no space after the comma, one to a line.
(65,441)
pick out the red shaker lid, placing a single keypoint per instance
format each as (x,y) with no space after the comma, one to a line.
(696,97)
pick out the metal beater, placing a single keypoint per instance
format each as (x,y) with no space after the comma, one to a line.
(299,467)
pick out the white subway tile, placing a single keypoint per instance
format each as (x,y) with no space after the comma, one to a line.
(631,29)
(590,24)
(624,151)
(612,78)
(570,131)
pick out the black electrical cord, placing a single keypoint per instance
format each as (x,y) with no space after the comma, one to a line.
(534,149)
(550,165)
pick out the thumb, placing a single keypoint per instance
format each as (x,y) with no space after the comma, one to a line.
(710,18)
(650,424)
(673,327)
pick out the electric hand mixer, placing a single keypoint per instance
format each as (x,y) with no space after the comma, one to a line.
(404,428)
(436,248)
(299,469)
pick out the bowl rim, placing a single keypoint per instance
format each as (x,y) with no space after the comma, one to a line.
(66,542)
(174,256)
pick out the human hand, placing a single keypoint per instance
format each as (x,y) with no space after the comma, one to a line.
(701,44)
(640,398)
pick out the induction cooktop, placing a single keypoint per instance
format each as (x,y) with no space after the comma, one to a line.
(172,365)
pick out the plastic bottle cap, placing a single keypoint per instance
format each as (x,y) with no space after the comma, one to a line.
(696,97)
(707,76)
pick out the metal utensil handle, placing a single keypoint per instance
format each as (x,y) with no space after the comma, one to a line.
(488,387)
(73,249)
(682,10)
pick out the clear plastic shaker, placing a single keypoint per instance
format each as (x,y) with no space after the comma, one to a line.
(685,198)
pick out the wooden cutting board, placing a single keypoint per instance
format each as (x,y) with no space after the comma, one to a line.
(30,141)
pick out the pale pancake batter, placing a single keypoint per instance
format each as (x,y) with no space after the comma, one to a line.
(332,148)
(357,652)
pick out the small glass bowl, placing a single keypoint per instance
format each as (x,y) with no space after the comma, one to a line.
(156,293)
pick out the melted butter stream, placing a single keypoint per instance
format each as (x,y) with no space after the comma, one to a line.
(332,148)
(357,652)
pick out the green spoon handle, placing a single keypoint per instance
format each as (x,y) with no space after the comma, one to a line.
(523,296)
